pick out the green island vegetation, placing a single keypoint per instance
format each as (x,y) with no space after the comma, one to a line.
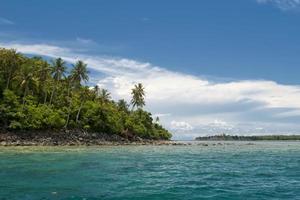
(225,137)
(39,95)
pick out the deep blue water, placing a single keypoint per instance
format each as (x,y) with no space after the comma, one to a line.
(237,170)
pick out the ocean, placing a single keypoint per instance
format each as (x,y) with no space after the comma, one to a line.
(221,170)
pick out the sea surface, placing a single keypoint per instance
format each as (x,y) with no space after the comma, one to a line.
(221,170)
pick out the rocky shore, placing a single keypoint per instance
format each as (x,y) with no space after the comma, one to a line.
(82,138)
(71,138)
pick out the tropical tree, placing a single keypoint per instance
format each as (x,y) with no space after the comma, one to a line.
(26,79)
(43,75)
(104,96)
(123,105)
(10,60)
(157,119)
(58,72)
(69,99)
(84,95)
(138,96)
(79,73)
(96,91)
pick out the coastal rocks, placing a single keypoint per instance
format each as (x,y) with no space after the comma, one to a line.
(3,143)
(82,138)
(68,138)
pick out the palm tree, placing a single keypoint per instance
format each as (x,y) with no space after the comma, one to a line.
(79,73)
(157,119)
(138,96)
(43,77)
(104,96)
(69,98)
(27,79)
(96,91)
(84,95)
(9,62)
(123,105)
(58,71)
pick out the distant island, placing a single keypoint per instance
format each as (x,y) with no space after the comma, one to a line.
(224,137)
(53,104)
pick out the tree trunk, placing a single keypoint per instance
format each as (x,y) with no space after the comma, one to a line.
(69,113)
(8,80)
(53,91)
(69,107)
(68,119)
(24,96)
(52,94)
(45,96)
(78,113)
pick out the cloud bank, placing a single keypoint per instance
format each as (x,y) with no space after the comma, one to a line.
(189,105)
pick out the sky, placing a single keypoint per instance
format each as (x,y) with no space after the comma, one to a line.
(208,67)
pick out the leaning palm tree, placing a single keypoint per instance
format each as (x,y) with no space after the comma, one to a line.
(138,96)
(69,99)
(84,95)
(79,73)
(58,72)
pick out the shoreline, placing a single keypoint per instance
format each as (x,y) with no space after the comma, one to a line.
(81,138)
(73,138)
(224,137)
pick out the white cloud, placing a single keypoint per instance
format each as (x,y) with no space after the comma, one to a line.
(221,123)
(282,4)
(193,104)
(6,21)
(181,126)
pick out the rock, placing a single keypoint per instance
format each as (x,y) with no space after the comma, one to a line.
(138,139)
(3,143)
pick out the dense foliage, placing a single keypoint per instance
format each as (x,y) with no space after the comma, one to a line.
(249,138)
(35,94)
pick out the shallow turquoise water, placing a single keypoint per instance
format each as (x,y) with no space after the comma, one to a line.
(265,170)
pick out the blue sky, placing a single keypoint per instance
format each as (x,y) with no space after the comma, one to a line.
(229,47)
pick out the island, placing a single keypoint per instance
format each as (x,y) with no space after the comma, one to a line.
(52,103)
(224,137)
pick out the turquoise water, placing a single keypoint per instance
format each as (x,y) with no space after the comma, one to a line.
(263,170)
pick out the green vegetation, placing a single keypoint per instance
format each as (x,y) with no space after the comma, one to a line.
(248,138)
(37,95)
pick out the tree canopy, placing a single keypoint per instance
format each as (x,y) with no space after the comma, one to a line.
(38,95)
